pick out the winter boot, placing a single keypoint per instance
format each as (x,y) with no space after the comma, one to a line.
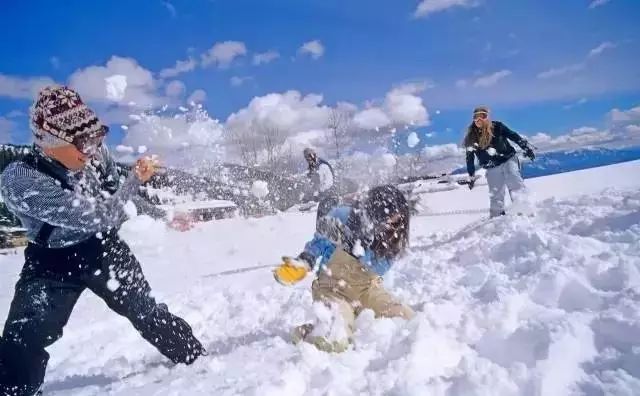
(301,332)
(325,345)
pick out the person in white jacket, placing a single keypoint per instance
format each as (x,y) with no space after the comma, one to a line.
(323,182)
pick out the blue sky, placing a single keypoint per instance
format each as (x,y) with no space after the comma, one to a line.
(543,66)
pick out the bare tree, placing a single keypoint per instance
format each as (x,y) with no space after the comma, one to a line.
(339,124)
(416,163)
(272,140)
(244,142)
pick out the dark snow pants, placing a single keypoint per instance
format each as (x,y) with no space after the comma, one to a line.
(327,201)
(49,286)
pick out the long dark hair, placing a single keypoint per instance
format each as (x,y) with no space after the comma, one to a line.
(385,203)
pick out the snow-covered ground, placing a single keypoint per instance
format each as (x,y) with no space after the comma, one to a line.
(543,305)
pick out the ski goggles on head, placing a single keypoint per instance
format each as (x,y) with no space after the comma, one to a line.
(90,143)
(482,116)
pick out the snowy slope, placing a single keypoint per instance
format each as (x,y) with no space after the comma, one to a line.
(548,305)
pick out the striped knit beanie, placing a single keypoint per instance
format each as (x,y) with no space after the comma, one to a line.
(60,116)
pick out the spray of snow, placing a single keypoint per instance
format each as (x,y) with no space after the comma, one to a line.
(116,87)
(388,160)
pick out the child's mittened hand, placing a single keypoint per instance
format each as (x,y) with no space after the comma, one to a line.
(291,271)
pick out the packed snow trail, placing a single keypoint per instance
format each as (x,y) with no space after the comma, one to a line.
(548,305)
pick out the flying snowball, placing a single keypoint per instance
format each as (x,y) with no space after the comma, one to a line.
(413,140)
(116,87)
(260,189)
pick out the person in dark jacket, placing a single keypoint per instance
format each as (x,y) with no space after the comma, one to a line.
(489,142)
(351,250)
(323,183)
(70,199)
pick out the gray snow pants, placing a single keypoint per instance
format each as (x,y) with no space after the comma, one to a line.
(504,176)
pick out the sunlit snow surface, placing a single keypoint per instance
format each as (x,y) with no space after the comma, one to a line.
(544,305)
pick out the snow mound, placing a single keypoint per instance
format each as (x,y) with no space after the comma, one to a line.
(545,305)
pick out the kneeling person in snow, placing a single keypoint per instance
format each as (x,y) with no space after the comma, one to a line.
(322,182)
(354,246)
(489,142)
(69,197)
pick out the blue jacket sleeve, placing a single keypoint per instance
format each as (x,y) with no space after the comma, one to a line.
(317,251)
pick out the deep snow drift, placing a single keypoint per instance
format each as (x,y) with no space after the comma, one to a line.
(543,305)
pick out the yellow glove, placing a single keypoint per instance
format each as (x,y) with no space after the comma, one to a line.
(291,271)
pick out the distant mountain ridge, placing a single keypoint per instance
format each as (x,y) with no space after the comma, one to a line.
(572,160)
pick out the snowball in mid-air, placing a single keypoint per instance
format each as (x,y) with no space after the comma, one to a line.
(260,189)
(116,87)
(113,285)
(413,140)
(121,148)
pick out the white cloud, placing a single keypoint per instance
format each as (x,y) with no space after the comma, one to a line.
(601,48)
(428,7)
(224,53)
(175,88)
(315,138)
(405,107)
(443,151)
(491,79)
(633,129)
(7,127)
(314,48)
(623,130)
(197,96)
(618,116)
(265,57)
(15,114)
(373,118)
(289,111)
(577,103)
(91,82)
(181,66)
(237,81)
(22,88)
(578,138)
(402,107)
(598,3)
(462,83)
(576,67)
(560,71)
(171,8)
